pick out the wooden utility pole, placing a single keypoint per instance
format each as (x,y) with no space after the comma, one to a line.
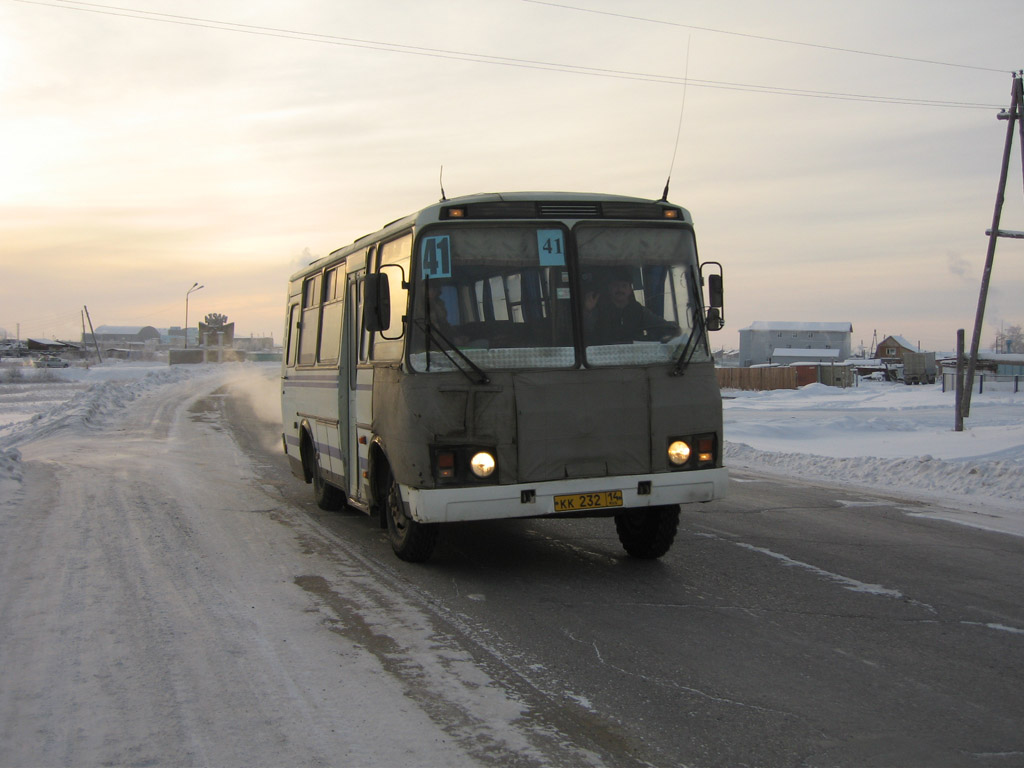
(94,341)
(1012,117)
(958,421)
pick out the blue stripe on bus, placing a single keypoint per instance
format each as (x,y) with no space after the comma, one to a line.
(330,450)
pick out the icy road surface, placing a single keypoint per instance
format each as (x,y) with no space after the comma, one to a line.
(162,606)
(171,596)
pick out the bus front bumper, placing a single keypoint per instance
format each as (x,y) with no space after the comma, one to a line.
(564,497)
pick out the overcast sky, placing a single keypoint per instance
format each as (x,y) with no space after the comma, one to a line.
(234,140)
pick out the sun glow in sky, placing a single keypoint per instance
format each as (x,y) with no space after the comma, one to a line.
(153,144)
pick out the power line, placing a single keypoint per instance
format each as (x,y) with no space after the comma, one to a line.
(521,63)
(805,44)
(48,325)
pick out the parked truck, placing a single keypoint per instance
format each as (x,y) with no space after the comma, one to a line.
(918,367)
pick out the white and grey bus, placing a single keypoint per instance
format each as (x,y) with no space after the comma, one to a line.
(509,355)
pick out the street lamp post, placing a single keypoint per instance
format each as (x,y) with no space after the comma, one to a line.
(195,287)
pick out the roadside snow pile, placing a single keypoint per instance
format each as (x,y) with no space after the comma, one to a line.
(89,407)
(997,482)
(884,436)
(108,390)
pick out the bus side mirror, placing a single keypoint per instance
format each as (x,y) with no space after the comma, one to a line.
(376,303)
(715,294)
(716,302)
(714,322)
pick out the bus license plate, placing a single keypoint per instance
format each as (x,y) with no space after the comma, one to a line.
(574,502)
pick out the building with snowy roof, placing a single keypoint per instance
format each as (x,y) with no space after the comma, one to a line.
(790,356)
(892,347)
(121,334)
(763,341)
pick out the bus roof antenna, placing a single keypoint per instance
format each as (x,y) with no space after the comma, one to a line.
(440,181)
(679,126)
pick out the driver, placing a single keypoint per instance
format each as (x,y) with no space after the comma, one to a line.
(614,316)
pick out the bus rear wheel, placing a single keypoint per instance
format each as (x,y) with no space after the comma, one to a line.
(648,533)
(410,540)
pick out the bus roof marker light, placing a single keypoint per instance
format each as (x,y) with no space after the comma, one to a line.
(456,213)
(670,213)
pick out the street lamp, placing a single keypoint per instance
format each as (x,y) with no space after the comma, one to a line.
(195,287)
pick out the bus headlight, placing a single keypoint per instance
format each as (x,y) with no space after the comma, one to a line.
(678,452)
(482,464)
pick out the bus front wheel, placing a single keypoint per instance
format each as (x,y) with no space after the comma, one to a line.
(648,533)
(411,541)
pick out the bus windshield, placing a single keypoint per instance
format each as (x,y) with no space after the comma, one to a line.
(639,294)
(511,296)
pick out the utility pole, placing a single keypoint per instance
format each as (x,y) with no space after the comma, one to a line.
(94,341)
(1013,116)
(958,420)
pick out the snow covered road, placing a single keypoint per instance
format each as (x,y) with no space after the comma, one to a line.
(171,596)
(160,606)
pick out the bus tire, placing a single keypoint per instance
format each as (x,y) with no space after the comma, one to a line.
(648,533)
(327,496)
(410,540)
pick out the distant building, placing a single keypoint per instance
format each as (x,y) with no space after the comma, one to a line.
(121,335)
(790,356)
(255,343)
(893,347)
(775,341)
(51,346)
(139,341)
(1007,363)
(175,336)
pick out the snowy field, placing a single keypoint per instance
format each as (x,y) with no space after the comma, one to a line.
(880,436)
(893,439)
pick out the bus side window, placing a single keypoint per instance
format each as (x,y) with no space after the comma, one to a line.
(395,254)
(362,333)
(309,329)
(333,313)
(292,335)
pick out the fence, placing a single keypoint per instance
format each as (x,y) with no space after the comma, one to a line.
(756,378)
(983,381)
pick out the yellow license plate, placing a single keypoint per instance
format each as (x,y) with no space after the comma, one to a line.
(574,502)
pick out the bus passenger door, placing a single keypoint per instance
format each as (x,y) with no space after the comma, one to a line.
(289,410)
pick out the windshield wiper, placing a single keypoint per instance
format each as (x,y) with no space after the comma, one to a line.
(433,334)
(696,334)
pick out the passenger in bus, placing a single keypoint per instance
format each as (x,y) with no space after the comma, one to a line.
(612,315)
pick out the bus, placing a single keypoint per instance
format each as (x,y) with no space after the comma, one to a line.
(513,355)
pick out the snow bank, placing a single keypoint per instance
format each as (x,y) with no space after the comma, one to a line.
(41,402)
(885,436)
(107,389)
